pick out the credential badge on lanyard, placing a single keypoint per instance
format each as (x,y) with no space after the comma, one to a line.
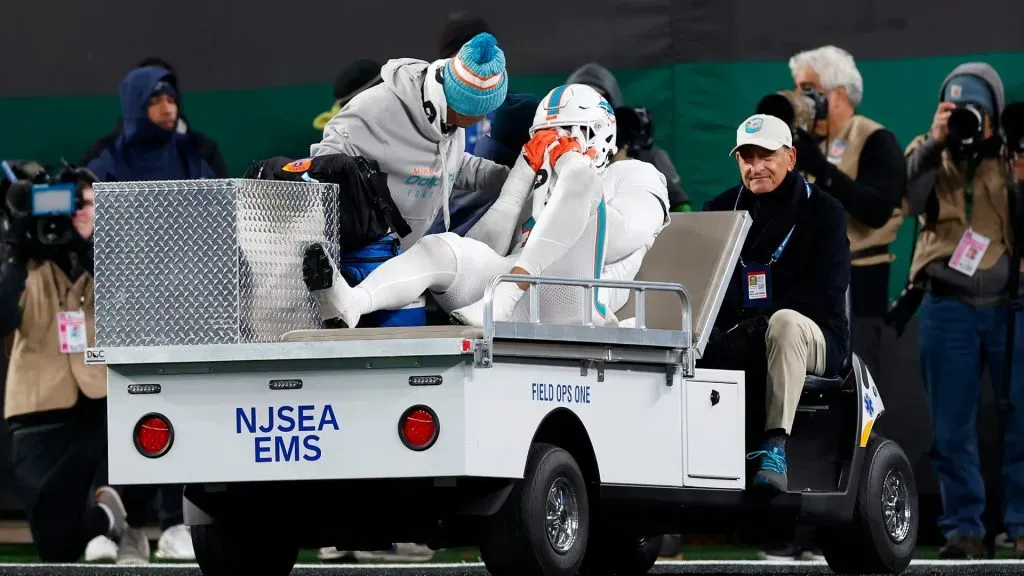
(757,277)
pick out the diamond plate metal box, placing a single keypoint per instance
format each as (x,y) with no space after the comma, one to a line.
(207,261)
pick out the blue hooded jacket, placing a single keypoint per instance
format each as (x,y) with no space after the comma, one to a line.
(145,151)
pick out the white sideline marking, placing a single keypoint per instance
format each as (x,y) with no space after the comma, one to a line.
(450,565)
(823,563)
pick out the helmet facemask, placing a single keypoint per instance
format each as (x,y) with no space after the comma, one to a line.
(583,114)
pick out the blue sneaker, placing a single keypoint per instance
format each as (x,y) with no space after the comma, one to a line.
(772,472)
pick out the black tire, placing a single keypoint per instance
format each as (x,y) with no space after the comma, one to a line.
(515,540)
(620,555)
(866,546)
(223,551)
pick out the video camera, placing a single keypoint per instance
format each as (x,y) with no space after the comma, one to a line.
(39,207)
(801,109)
(635,128)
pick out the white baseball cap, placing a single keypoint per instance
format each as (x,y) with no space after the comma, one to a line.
(764,131)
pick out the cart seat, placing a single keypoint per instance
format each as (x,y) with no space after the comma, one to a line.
(814,383)
(820,384)
(395,333)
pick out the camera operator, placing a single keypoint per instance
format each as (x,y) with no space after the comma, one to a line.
(962,271)
(54,404)
(860,163)
(601,79)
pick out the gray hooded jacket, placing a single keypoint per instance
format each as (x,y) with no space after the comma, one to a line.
(925,159)
(423,159)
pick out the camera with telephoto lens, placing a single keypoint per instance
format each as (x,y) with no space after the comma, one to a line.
(635,128)
(801,109)
(39,207)
(966,125)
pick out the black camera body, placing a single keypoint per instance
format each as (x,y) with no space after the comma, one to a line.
(801,109)
(37,209)
(635,128)
(967,125)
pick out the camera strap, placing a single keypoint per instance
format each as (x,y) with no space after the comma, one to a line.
(969,171)
(62,296)
(756,278)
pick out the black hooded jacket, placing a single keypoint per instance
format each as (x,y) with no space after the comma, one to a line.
(813,272)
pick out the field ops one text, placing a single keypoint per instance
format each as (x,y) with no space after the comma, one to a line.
(560,393)
(286,433)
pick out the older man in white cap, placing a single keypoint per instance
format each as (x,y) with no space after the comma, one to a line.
(784,314)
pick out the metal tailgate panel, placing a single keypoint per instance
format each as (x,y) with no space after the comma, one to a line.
(213,444)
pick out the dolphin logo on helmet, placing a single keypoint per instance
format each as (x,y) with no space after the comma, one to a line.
(585,115)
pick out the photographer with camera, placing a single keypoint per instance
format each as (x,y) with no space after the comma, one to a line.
(965,276)
(860,163)
(54,404)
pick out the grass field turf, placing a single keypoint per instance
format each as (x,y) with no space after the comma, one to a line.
(25,553)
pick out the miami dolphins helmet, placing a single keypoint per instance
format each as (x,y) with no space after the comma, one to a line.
(586,115)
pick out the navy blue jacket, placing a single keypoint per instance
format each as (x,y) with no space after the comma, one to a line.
(145,151)
(813,272)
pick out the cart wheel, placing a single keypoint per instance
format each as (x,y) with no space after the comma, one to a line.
(621,555)
(223,551)
(883,534)
(543,526)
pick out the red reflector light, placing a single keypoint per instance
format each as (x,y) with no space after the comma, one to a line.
(153,435)
(418,428)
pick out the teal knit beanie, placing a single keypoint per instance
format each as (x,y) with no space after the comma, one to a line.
(475,82)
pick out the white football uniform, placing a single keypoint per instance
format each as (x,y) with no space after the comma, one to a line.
(590,227)
(568,222)
(631,214)
(636,194)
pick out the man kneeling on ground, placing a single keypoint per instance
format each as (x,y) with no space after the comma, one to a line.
(784,311)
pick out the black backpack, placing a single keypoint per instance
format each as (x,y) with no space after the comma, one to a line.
(366,211)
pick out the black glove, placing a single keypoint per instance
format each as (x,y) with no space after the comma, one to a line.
(809,158)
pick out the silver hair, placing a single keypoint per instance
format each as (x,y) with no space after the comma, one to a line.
(835,67)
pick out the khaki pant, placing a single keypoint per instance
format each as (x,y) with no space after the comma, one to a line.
(796,347)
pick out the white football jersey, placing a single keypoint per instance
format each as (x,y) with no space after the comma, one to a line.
(629,186)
